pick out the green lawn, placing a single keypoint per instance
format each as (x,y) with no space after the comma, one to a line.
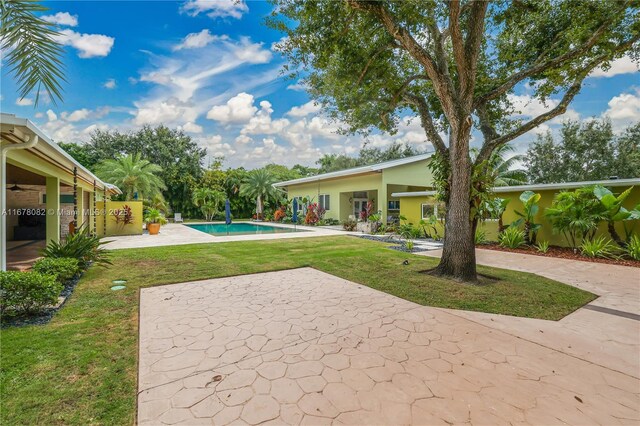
(81,367)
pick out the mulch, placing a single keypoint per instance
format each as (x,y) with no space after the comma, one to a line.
(563,253)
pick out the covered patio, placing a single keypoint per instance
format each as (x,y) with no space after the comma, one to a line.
(45,193)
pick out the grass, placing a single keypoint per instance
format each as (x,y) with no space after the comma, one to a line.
(81,368)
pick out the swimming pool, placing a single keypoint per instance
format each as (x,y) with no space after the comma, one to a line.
(240,229)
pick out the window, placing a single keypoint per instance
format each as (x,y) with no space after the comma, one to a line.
(394,205)
(429,210)
(324,201)
(64,198)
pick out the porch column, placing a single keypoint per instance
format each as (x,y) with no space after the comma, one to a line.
(80,207)
(53,209)
(383,203)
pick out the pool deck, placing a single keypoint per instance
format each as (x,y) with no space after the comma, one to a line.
(179,234)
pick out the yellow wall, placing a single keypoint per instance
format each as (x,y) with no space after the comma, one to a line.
(410,207)
(114,228)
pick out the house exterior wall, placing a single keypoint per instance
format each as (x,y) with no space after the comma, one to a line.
(114,228)
(411,208)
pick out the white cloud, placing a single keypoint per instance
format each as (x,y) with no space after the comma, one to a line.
(262,123)
(24,101)
(93,127)
(243,140)
(215,147)
(624,109)
(253,53)
(110,83)
(88,45)
(527,106)
(623,65)
(198,40)
(163,112)
(51,116)
(39,115)
(192,127)
(303,110)
(238,109)
(216,9)
(77,115)
(62,18)
(297,87)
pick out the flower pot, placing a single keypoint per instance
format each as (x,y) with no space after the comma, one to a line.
(153,228)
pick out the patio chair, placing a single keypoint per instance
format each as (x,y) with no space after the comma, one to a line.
(177,218)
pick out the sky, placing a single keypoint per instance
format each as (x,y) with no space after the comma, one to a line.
(210,69)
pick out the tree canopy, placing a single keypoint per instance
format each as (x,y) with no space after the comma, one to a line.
(586,151)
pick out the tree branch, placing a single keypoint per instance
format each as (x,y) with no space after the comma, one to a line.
(427,121)
(457,43)
(370,61)
(539,67)
(472,45)
(561,108)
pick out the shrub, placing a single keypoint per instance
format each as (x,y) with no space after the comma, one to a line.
(349,225)
(62,268)
(154,216)
(633,247)
(598,247)
(409,245)
(82,246)
(512,238)
(543,246)
(481,236)
(27,292)
(279,214)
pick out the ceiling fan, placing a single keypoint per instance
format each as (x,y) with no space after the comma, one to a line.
(16,188)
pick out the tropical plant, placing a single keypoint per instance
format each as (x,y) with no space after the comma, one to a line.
(157,202)
(512,237)
(575,214)
(63,268)
(314,214)
(27,292)
(527,216)
(481,236)
(543,246)
(613,210)
(349,225)
(259,185)
(430,227)
(124,215)
(598,247)
(454,65)
(209,200)
(154,216)
(503,171)
(31,48)
(137,178)
(633,247)
(368,211)
(82,246)
(279,214)
(409,245)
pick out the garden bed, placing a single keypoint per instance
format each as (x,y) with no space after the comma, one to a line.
(563,253)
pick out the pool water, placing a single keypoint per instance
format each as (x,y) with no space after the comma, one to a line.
(240,229)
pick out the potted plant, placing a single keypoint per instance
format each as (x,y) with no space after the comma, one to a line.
(154,219)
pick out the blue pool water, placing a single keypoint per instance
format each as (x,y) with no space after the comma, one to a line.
(240,229)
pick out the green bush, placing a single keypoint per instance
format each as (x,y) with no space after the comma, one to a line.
(598,247)
(481,236)
(633,247)
(27,292)
(512,238)
(63,268)
(82,246)
(543,246)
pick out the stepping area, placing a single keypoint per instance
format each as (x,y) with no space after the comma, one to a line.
(305,347)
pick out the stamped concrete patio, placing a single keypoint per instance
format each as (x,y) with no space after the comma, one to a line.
(302,346)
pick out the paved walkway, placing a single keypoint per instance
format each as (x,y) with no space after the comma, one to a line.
(609,337)
(177,234)
(302,346)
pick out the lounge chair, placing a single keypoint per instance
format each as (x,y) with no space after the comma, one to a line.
(177,218)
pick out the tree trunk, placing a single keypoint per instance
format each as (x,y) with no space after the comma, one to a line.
(259,207)
(458,259)
(614,235)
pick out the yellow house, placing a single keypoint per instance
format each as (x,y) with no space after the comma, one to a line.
(345,193)
(418,205)
(44,189)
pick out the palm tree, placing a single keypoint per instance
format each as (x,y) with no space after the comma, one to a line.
(132,175)
(259,185)
(32,52)
(209,201)
(503,172)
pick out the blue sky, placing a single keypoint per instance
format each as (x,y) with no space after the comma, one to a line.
(209,67)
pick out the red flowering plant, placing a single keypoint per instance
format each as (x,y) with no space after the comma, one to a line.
(368,211)
(279,214)
(312,217)
(123,215)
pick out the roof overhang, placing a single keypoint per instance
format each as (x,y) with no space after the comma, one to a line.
(536,187)
(18,130)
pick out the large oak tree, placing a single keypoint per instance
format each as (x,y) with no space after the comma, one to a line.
(453,65)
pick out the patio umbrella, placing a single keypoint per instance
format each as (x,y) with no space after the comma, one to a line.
(227,214)
(294,217)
